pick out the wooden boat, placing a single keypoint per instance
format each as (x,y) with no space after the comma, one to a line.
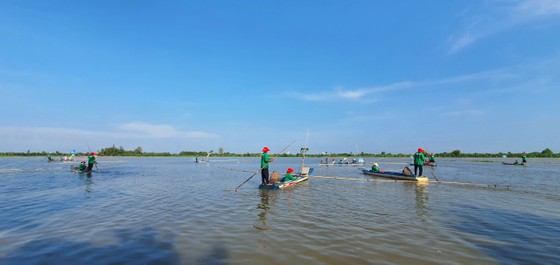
(395,175)
(303,176)
(513,164)
(427,164)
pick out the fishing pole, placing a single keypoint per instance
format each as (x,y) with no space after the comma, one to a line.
(263,167)
(429,167)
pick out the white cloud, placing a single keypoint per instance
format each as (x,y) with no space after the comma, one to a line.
(372,94)
(53,138)
(535,9)
(499,16)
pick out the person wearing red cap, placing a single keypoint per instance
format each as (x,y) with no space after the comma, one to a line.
(265,159)
(91,161)
(289,175)
(523,159)
(82,166)
(418,161)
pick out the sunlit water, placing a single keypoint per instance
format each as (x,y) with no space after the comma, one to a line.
(174,211)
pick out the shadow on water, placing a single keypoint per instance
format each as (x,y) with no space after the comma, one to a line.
(133,247)
(512,237)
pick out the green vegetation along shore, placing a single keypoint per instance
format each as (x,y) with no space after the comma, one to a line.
(120,151)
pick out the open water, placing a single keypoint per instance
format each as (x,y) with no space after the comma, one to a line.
(175,211)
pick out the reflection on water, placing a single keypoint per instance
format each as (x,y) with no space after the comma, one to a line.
(89,185)
(421,199)
(264,206)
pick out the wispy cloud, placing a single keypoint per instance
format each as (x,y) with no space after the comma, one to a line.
(146,130)
(57,138)
(373,94)
(497,16)
(464,113)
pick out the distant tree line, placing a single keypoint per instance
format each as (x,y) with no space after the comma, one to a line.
(120,151)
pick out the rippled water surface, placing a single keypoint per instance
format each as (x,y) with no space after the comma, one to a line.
(174,211)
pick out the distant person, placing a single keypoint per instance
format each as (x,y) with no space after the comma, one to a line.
(289,176)
(265,160)
(375,168)
(523,159)
(91,161)
(516,162)
(196,159)
(49,158)
(418,162)
(431,159)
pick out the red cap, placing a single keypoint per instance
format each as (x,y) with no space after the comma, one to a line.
(92,153)
(83,162)
(290,170)
(420,150)
(265,149)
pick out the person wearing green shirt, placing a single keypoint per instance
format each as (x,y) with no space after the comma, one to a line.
(289,176)
(265,160)
(418,161)
(375,167)
(91,161)
(82,166)
(523,159)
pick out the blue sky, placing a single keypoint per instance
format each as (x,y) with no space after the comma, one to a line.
(371,76)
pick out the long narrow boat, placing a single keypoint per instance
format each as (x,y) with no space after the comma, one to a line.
(513,164)
(280,185)
(395,175)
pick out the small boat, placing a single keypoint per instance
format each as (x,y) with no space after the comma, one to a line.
(427,164)
(303,176)
(513,164)
(395,175)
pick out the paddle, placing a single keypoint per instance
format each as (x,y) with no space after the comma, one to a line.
(262,168)
(431,170)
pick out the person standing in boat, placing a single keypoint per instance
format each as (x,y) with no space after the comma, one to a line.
(91,161)
(523,159)
(418,161)
(288,176)
(265,160)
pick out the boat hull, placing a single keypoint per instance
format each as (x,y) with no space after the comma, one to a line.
(512,164)
(281,185)
(395,175)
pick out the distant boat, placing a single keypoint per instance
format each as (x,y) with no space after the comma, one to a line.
(513,164)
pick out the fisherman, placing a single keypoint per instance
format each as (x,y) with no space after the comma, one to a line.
(431,159)
(289,176)
(375,168)
(91,161)
(82,166)
(265,160)
(418,161)
(523,159)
